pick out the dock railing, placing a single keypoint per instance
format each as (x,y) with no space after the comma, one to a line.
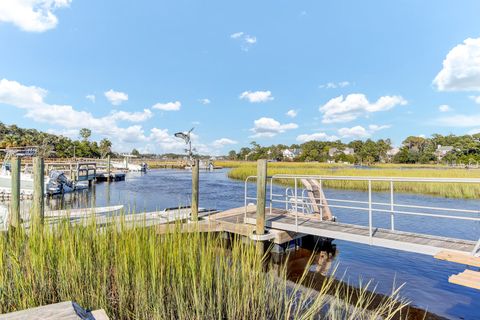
(295,200)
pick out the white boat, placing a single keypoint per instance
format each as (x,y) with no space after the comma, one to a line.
(26,181)
(125,165)
(181,213)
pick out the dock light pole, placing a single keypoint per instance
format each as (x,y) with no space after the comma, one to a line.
(38,190)
(195,188)
(195,165)
(15,200)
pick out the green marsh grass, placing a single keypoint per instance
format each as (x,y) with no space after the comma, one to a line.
(241,170)
(134,272)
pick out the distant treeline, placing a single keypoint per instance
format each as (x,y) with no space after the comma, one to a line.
(436,149)
(51,145)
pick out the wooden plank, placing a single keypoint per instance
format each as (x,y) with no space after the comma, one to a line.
(100,315)
(326,213)
(465,279)
(458,258)
(471,275)
(58,311)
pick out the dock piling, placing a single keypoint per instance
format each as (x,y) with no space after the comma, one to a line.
(108,168)
(38,189)
(261,195)
(15,200)
(195,187)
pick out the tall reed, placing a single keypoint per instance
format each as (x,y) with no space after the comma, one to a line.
(136,273)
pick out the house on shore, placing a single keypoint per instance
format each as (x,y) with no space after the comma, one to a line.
(442,151)
(290,154)
(332,152)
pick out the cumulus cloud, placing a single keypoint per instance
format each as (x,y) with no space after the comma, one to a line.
(476,99)
(204,101)
(292,113)
(334,85)
(461,68)
(246,40)
(32,100)
(132,116)
(220,143)
(116,97)
(354,105)
(320,136)
(360,132)
(91,97)
(31,15)
(444,108)
(459,120)
(268,127)
(169,106)
(256,96)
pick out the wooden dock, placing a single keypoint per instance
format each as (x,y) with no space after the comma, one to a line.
(67,310)
(281,219)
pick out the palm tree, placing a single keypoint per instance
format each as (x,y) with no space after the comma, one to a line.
(10,140)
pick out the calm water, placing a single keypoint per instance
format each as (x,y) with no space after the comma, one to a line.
(426,278)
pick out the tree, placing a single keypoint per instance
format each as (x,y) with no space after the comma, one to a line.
(232,155)
(135,153)
(85,134)
(105,147)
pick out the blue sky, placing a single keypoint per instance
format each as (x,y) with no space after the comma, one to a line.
(270,71)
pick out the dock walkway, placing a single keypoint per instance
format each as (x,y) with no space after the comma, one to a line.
(406,241)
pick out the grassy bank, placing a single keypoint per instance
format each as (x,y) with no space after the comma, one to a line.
(241,170)
(137,274)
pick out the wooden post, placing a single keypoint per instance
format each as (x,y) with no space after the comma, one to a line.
(195,187)
(261,195)
(38,190)
(108,168)
(15,200)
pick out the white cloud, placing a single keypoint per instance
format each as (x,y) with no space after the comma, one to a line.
(165,140)
(256,96)
(320,136)
(69,133)
(236,35)
(169,106)
(246,40)
(31,15)
(292,113)
(204,101)
(116,97)
(461,68)
(459,120)
(354,105)
(476,99)
(250,39)
(132,116)
(334,85)
(268,127)
(357,131)
(91,97)
(31,99)
(360,132)
(374,127)
(444,108)
(220,143)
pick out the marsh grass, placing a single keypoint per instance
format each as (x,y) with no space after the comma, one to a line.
(135,273)
(241,170)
